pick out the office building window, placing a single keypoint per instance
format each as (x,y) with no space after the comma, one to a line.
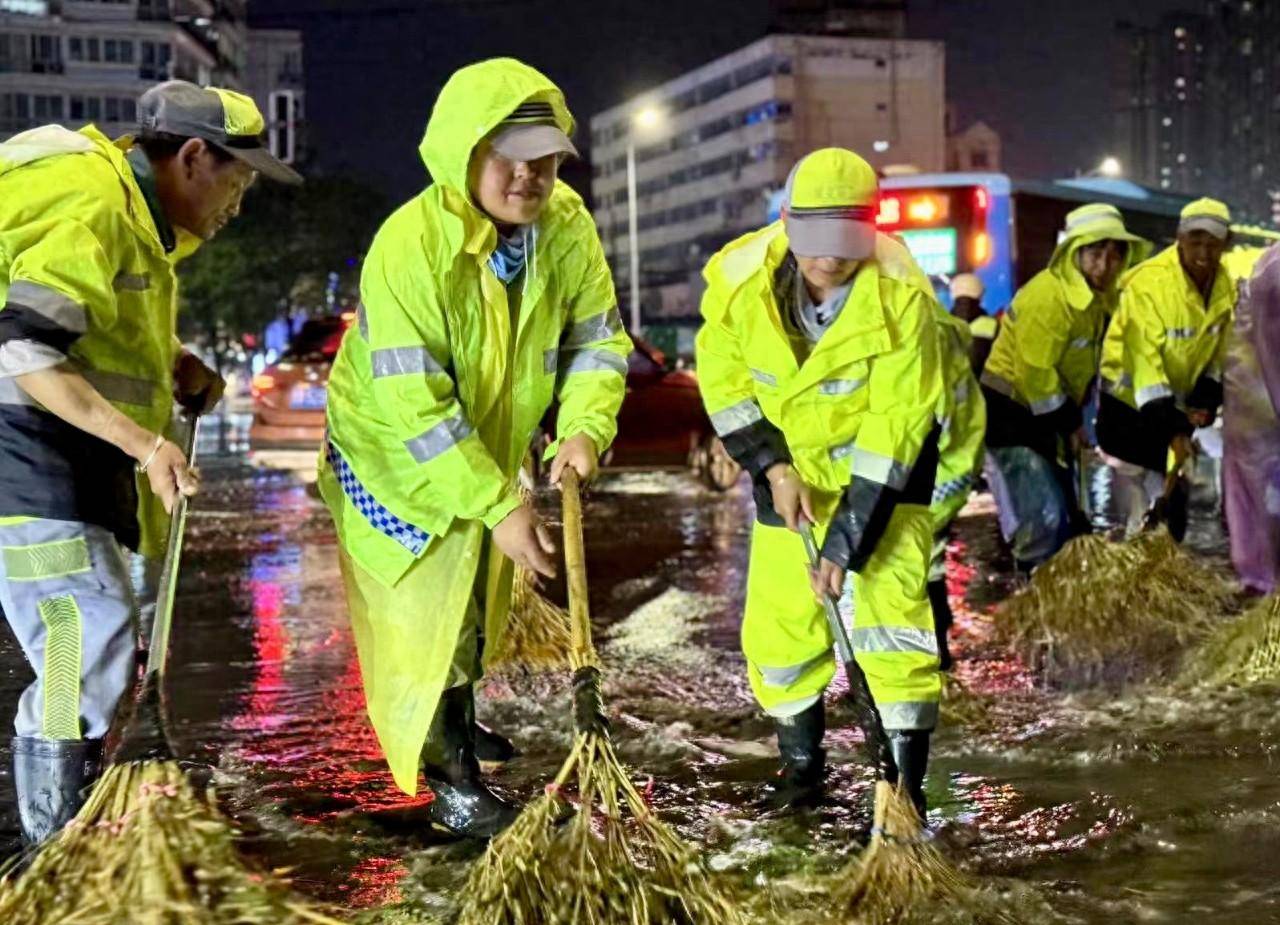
(117,51)
(46,106)
(155,61)
(46,54)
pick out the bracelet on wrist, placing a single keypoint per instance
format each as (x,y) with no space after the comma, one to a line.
(142,466)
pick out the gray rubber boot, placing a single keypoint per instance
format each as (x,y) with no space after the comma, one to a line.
(463,804)
(52,778)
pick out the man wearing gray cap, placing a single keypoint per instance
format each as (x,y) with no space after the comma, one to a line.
(90,365)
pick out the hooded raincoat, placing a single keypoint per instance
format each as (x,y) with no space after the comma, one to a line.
(1163,355)
(1251,428)
(857,419)
(435,394)
(963,416)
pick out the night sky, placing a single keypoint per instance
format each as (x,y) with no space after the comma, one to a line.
(1039,73)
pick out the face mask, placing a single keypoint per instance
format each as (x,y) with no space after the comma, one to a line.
(507,259)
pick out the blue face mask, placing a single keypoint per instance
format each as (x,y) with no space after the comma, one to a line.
(507,259)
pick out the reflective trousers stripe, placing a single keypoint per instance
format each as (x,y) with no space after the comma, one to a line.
(47,560)
(61,618)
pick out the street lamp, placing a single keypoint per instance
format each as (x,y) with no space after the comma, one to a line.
(644,119)
(1110,167)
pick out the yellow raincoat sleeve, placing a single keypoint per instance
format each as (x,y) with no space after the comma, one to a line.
(60,280)
(963,413)
(594,347)
(1043,326)
(410,359)
(1143,335)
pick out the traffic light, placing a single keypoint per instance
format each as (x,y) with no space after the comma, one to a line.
(282,132)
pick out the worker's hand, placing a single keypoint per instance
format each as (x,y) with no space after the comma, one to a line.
(168,472)
(1182,448)
(827,578)
(1079,441)
(1200,417)
(195,386)
(578,451)
(790,495)
(524,539)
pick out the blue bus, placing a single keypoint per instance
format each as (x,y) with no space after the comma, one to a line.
(1001,229)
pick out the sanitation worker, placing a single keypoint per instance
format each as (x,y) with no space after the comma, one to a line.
(1162,362)
(1039,376)
(962,414)
(966,304)
(483,299)
(90,230)
(818,364)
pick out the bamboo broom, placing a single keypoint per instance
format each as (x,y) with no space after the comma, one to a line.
(146,849)
(608,860)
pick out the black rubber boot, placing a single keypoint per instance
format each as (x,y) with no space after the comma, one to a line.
(910,750)
(942,620)
(51,778)
(804,761)
(493,749)
(462,804)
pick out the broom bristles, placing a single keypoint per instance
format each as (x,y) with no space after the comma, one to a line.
(147,850)
(537,634)
(1245,651)
(1104,612)
(612,863)
(899,872)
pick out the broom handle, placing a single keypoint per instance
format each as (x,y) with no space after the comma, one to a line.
(877,743)
(158,655)
(575,564)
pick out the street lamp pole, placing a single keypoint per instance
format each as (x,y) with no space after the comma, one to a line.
(633,240)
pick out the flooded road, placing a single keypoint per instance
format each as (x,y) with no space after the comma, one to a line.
(1152,806)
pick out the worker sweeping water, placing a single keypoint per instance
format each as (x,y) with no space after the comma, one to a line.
(90,230)
(1039,376)
(1162,364)
(483,299)
(818,364)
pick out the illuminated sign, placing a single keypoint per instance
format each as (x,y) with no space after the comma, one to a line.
(914,209)
(934,249)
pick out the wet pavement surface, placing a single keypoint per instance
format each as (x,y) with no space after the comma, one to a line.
(1147,806)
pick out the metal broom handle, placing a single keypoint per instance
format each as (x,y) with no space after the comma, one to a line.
(159,652)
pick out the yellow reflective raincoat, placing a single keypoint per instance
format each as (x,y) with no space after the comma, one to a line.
(861,407)
(1164,337)
(436,392)
(82,255)
(1046,354)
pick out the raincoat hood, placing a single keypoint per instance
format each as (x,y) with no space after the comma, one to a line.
(474,100)
(1089,225)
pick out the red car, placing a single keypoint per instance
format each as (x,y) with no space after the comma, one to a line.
(289,396)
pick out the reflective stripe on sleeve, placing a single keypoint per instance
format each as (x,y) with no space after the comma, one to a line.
(599,327)
(399,361)
(883,470)
(444,436)
(735,417)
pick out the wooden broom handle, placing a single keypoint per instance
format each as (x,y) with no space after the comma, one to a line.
(575,563)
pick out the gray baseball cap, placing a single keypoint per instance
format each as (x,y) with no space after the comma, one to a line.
(530,132)
(225,118)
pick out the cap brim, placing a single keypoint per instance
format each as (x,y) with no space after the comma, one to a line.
(1215,226)
(263,161)
(530,142)
(831,237)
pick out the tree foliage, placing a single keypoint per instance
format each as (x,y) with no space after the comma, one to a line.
(278,253)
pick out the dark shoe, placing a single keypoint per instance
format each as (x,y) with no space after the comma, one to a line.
(942,620)
(52,778)
(910,750)
(804,762)
(462,804)
(493,750)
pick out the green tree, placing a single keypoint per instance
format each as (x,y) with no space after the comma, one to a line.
(278,253)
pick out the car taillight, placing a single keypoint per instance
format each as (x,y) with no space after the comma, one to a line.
(263,382)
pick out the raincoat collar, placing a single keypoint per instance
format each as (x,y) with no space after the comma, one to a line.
(145,177)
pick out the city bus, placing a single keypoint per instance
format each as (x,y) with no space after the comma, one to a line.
(1004,230)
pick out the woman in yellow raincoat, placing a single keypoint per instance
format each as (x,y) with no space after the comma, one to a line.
(483,299)
(818,364)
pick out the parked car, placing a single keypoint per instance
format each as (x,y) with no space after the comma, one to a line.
(289,396)
(663,425)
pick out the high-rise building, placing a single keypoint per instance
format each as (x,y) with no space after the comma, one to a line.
(1198,110)
(711,146)
(80,61)
(274,78)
